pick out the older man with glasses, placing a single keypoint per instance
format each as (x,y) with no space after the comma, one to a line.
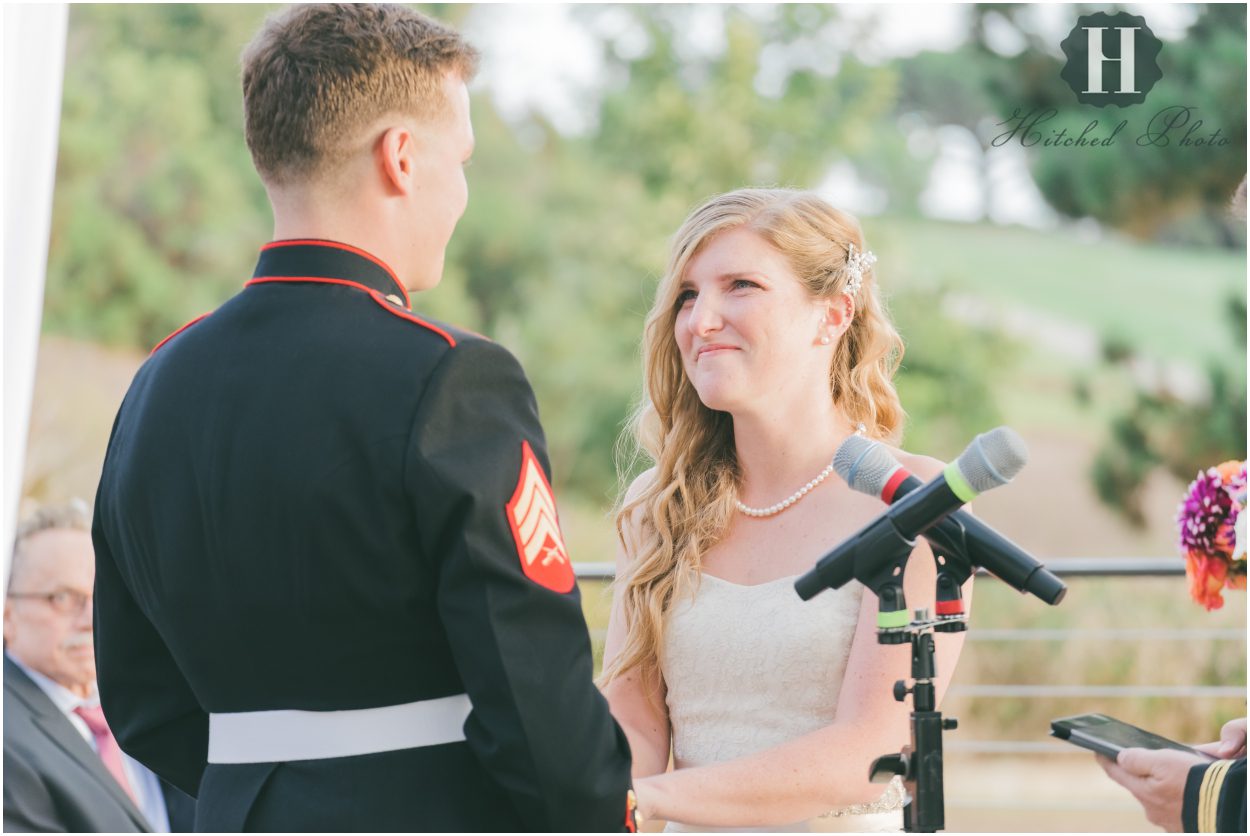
(63,770)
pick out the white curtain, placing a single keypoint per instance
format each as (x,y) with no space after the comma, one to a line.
(34,57)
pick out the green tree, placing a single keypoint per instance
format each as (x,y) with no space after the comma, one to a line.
(1158,429)
(1148,191)
(156,211)
(700,125)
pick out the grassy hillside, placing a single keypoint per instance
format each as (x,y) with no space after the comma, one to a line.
(1163,300)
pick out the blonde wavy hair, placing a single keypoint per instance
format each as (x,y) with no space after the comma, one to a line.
(686,507)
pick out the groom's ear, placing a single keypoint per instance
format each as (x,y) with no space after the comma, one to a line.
(396,153)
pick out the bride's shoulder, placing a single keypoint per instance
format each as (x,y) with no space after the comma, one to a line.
(630,525)
(639,486)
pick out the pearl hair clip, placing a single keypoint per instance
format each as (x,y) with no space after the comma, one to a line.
(856,264)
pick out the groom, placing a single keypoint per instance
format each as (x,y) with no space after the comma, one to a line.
(332,592)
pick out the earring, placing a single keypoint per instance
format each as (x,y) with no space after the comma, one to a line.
(824,340)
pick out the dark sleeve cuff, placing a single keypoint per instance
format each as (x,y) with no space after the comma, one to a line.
(1214,799)
(1189,805)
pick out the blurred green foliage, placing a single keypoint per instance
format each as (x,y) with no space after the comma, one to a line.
(1153,192)
(157,210)
(158,213)
(1160,429)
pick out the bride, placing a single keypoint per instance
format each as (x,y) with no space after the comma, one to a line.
(767,346)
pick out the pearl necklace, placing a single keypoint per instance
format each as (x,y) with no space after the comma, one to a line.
(797,495)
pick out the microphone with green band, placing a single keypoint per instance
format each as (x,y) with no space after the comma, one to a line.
(868,467)
(991,460)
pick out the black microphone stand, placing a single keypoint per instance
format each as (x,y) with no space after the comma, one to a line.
(877,557)
(920,763)
(879,562)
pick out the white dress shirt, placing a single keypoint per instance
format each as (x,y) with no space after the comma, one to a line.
(146,786)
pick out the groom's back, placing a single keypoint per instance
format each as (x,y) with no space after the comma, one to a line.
(265,446)
(256,506)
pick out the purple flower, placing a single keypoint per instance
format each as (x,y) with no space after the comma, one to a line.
(1207,515)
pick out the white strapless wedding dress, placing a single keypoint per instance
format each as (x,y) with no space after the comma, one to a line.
(750,667)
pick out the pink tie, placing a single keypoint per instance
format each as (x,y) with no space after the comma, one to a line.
(106,745)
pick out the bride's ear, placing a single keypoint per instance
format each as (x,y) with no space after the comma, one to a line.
(839,311)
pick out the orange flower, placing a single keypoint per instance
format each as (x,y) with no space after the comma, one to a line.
(1228,470)
(1206,579)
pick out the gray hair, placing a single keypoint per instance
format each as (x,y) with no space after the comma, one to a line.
(74,515)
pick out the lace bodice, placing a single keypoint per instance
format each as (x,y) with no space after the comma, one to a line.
(750,667)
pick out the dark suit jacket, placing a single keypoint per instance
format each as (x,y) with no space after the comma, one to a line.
(45,758)
(53,781)
(315,500)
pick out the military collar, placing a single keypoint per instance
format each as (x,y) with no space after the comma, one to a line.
(316,260)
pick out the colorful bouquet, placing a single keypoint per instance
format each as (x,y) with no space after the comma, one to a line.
(1213,540)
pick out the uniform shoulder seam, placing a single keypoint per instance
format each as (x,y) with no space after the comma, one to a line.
(413,318)
(178,331)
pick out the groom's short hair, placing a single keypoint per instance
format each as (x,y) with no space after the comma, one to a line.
(316,76)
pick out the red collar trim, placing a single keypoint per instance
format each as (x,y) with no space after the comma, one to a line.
(338,245)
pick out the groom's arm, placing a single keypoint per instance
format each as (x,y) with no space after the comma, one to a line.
(479,480)
(149,705)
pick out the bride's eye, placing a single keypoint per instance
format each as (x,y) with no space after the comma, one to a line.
(685,296)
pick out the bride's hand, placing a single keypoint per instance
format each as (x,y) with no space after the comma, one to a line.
(645,792)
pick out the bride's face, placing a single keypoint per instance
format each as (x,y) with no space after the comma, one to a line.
(748,332)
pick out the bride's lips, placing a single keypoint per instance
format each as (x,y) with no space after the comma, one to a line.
(713,348)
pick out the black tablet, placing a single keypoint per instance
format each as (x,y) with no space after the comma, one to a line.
(1108,736)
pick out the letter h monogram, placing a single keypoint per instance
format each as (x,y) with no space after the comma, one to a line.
(1128,37)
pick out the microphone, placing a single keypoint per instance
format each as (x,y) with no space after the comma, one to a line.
(868,467)
(992,459)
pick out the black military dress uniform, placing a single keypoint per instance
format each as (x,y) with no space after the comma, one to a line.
(1215,798)
(315,501)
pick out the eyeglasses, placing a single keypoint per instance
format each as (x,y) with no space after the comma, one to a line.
(65,601)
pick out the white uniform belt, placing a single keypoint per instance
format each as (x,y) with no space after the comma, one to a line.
(271,736)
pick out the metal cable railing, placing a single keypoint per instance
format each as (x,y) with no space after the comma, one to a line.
(1064,567)
(1069,567)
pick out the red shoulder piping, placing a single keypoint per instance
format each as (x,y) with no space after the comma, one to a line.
(377,297)
(176,333)
(373,294)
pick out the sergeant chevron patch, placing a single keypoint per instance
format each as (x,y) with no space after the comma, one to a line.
(536,529)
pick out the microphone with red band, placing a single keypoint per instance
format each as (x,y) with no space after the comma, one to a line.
(868,467)
(881,548)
